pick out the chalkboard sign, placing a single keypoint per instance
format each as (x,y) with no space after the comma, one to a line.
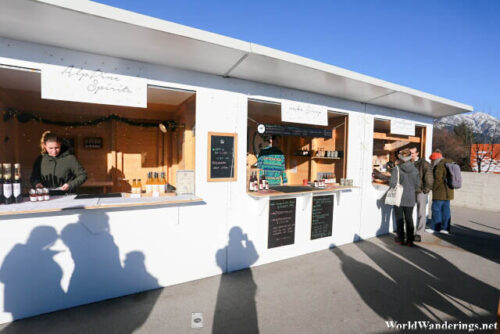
(281,222)
(322,217)
(222,162)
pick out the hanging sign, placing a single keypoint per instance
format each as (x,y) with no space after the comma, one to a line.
(295,112)
(402,127)
(92,86)
(281,222)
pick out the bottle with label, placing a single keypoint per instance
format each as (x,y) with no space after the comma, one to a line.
(8,197)
(156,185)
(264,182)
(255,183)
(134,186)
(16,186)
(163,183)
(149,183)
(139,186)
(250,183)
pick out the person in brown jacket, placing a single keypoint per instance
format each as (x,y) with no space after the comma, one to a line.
(441,195)
(426,180)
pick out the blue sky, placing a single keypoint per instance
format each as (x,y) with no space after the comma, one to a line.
(447,48)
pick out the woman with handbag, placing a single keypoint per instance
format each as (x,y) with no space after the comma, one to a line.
(402,194)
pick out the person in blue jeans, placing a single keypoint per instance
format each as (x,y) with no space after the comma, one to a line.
(441,195)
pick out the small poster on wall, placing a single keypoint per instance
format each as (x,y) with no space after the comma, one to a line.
(222,160)
(402,127)
(184,182)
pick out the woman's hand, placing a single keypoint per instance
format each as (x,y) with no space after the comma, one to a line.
(65,187)
(39,185)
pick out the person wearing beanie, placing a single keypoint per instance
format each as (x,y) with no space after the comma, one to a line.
(441,194)
(409,178)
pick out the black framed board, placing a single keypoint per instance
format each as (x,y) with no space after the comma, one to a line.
(222,162)
(322,217)
(281,222)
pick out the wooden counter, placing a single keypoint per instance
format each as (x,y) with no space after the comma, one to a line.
(62,203)
(274,193)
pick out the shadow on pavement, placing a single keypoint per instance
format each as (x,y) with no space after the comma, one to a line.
(481,243)
(417,284)
(235,311)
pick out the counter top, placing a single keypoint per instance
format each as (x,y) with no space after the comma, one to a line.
(69,202)
(274,193)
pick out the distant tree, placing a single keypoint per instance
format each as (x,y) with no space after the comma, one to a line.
(485,152)
(479,146)
(452,147)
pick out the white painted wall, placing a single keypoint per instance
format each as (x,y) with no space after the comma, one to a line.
(187,243)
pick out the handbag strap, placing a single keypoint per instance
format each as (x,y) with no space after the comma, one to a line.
(398,174)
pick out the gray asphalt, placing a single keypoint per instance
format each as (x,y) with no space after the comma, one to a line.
(354,288)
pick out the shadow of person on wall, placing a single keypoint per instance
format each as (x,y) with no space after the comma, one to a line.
(98,273)
(31,277)
(235,311)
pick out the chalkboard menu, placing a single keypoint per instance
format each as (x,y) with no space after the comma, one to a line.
(322,217)
(281,222)
(222,161)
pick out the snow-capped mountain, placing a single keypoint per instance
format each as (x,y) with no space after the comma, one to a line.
(483,124)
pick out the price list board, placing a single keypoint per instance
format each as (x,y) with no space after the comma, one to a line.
(322,217)
(281,222)
(222,162)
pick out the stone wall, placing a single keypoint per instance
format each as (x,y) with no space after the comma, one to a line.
(479,191)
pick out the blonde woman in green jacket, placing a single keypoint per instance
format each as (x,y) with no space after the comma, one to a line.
(56,167)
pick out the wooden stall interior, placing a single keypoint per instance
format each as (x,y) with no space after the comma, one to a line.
(386,146)
(113,152)
(299,165)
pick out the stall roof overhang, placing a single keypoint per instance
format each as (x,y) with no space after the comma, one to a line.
(96,28)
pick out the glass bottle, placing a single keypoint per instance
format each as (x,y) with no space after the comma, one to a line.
(139,186)
(8,197)
(16,186)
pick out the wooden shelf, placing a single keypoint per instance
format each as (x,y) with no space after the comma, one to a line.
(385,136)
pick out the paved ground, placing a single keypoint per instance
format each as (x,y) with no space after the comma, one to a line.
(350,289)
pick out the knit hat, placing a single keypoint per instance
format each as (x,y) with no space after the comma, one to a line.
(405,155)
(435,155)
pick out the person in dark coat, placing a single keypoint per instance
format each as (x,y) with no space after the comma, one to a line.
(426,180)
(408,177)
(441,194)
(56,168)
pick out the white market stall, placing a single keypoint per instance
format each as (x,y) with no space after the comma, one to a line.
(202,86)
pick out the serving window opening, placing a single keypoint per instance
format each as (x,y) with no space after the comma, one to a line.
(114,144)
(386,147)
(310,152)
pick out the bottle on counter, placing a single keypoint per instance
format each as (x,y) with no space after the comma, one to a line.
(134,186)
(16,186)
(250,183)
(139,186)
(265,185)
(255,182)
(8,196)
(149,183)
(155,185)
(163,183)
